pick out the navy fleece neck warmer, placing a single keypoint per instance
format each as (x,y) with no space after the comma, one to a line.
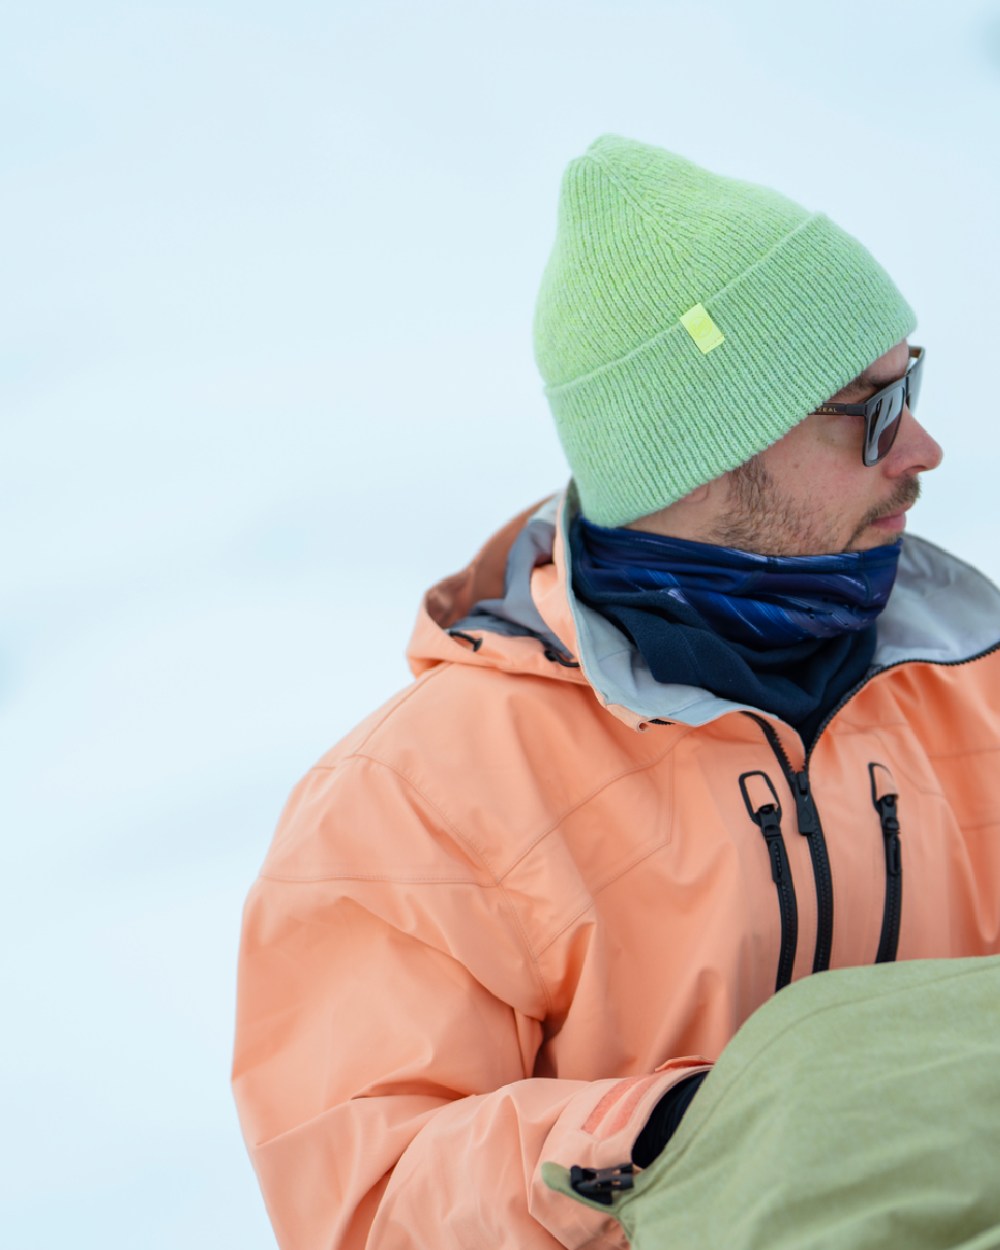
(787,634)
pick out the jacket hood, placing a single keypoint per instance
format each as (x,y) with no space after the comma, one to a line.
(508,608)
(514,609)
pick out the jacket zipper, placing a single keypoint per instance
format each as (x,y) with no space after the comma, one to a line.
(890,834)
(806,807)
(887,668)
(886,802)
(767,817)
(812,830)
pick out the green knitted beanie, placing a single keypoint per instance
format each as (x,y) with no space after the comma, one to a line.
(687,321)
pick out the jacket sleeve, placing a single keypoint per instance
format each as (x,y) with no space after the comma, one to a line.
(389,1024)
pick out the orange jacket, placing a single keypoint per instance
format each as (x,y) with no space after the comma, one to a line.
(503,916)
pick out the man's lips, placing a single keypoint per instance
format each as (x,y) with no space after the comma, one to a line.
(894,521)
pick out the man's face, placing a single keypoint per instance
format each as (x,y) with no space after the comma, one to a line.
(810,493)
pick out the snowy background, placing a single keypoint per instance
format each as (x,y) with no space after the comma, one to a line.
(265,372)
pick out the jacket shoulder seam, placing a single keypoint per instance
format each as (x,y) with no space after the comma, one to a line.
(395,704)
(589,798)
(470,847)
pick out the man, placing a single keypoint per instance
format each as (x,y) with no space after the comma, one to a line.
(672,744)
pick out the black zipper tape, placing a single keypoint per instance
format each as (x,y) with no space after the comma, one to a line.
(812,830)
(767,817)
(887,804)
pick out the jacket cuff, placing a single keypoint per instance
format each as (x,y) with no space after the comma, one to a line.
(597,1129)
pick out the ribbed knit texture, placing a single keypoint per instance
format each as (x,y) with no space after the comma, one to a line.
(643,235)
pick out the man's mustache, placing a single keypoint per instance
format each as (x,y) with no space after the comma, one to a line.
(905,496)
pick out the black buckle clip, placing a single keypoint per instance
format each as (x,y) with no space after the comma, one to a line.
(600,1184)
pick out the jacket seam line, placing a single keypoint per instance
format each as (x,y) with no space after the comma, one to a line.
(479,857)
(589,798)
(958,755)
(324,1112)
(417,684)
(640,858)
(346,875)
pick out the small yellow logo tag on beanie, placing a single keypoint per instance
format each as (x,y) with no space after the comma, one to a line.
(702,329)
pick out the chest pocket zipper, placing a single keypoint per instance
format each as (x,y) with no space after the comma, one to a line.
(885,799)
(764,809)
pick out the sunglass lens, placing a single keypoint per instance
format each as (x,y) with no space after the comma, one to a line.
(884,426)
(913,381)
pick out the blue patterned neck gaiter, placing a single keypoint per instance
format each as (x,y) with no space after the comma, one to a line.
(786,634)
(760,601)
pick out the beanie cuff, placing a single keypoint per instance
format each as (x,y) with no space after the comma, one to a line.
(797,326)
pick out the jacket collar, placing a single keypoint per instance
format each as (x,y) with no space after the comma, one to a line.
(941,611)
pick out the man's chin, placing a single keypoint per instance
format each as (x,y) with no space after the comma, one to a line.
(869,538)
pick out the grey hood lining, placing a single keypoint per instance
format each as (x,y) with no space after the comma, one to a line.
(515,615)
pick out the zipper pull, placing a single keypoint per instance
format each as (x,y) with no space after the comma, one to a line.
(805,806)
(769,820)
(600,1184)
(890,831)
(885,798)
(764,809)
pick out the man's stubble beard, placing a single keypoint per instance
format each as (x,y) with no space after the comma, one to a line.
(763,521)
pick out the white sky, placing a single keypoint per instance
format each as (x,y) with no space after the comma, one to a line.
(265,372)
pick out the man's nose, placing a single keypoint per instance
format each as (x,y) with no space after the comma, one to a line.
(914,451)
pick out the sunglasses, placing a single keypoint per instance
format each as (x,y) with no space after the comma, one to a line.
(883,410)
